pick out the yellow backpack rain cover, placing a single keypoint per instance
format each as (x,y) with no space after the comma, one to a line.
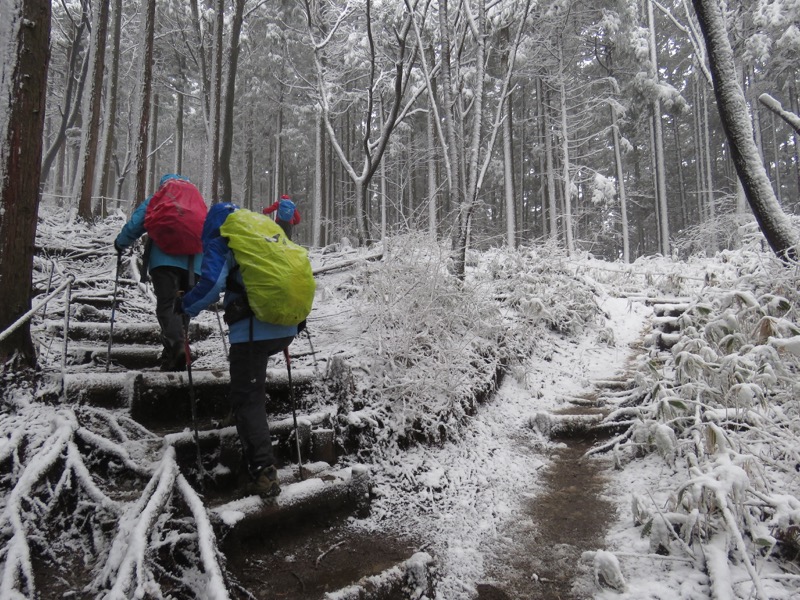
(276,271)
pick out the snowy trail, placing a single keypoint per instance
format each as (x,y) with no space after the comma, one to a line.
(473,490)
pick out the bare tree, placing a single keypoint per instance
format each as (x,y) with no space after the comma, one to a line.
(112,93)
(226,142)
(24,58)
(74,80)
(372,148)
(146,86)
(84,182)
(211,168)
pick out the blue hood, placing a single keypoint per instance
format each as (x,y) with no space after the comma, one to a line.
(169,176)
(214,219)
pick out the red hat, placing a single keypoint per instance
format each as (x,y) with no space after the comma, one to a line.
(285,197)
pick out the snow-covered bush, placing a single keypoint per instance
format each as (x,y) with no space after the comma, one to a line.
(439,345)
(539,286)
(722,411)
(436,343)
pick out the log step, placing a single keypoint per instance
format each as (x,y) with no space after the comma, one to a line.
(221,451)
(124,333)
(413,579)
(157,399)
(330,493)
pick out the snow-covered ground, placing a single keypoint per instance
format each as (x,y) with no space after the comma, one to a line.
(706,493)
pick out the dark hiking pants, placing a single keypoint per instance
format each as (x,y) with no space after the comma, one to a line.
(167,281)
(286,226)
(248,398)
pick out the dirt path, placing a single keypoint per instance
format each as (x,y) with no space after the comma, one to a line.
(538,554)
(566,519)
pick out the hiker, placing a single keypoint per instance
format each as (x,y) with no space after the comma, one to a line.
(288,216)
(252,339)
(172,256)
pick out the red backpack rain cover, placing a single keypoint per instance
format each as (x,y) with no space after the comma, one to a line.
(174,218)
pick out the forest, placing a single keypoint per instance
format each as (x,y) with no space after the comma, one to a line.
(554,345)
(593,123)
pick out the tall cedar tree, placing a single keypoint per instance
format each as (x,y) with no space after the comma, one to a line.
(20,166)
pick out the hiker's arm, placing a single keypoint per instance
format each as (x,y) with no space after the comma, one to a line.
(295,217)
(134,228)
(215,269)
(271,208)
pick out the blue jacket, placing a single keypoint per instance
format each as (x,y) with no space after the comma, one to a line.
(218,262)
(134,229)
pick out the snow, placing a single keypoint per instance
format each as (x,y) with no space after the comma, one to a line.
(711,437)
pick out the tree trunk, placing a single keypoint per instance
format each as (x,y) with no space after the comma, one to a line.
(73,94)
(146,85)
(276,168)
(732,107)
(776,157)
(112,93)
(211,170)
(679,168)
(658,141)
(448,108)
(24,59)
(710,201)
(248,164)
(433,203)
(698,146)
(179,116)
(84,182)
(152,162)
(319,182)
(623,200)
(230,98)
(568,237)
(550,170)
(508,160)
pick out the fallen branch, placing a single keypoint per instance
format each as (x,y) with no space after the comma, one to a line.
(347,263)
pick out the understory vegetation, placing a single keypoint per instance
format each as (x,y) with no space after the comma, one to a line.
(96,495)
(720,408)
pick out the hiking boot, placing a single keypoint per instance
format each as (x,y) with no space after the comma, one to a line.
(173,361)
(265,483)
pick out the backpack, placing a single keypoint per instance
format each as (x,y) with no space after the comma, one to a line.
(277,273)
(174,217)
(286,210)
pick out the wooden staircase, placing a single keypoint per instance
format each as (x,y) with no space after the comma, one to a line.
(315,505)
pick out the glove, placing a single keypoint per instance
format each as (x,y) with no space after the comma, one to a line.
(118,248)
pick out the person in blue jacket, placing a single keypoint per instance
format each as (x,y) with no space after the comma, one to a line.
(169,273)
(252,342)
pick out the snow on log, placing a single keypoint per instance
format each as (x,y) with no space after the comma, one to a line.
(410,579)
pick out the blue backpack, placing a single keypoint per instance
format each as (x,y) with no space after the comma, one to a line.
(286,210)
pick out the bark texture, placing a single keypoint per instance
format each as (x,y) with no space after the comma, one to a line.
(735,118)
(21,168)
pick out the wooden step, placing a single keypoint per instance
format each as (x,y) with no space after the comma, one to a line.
(124,333)
(129,356)
(221,451)
(330,493)
(413,579)
(157,399)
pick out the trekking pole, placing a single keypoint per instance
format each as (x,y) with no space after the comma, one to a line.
(313,354)
(294,411)
(221,331)
(113,312)
(192,399)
